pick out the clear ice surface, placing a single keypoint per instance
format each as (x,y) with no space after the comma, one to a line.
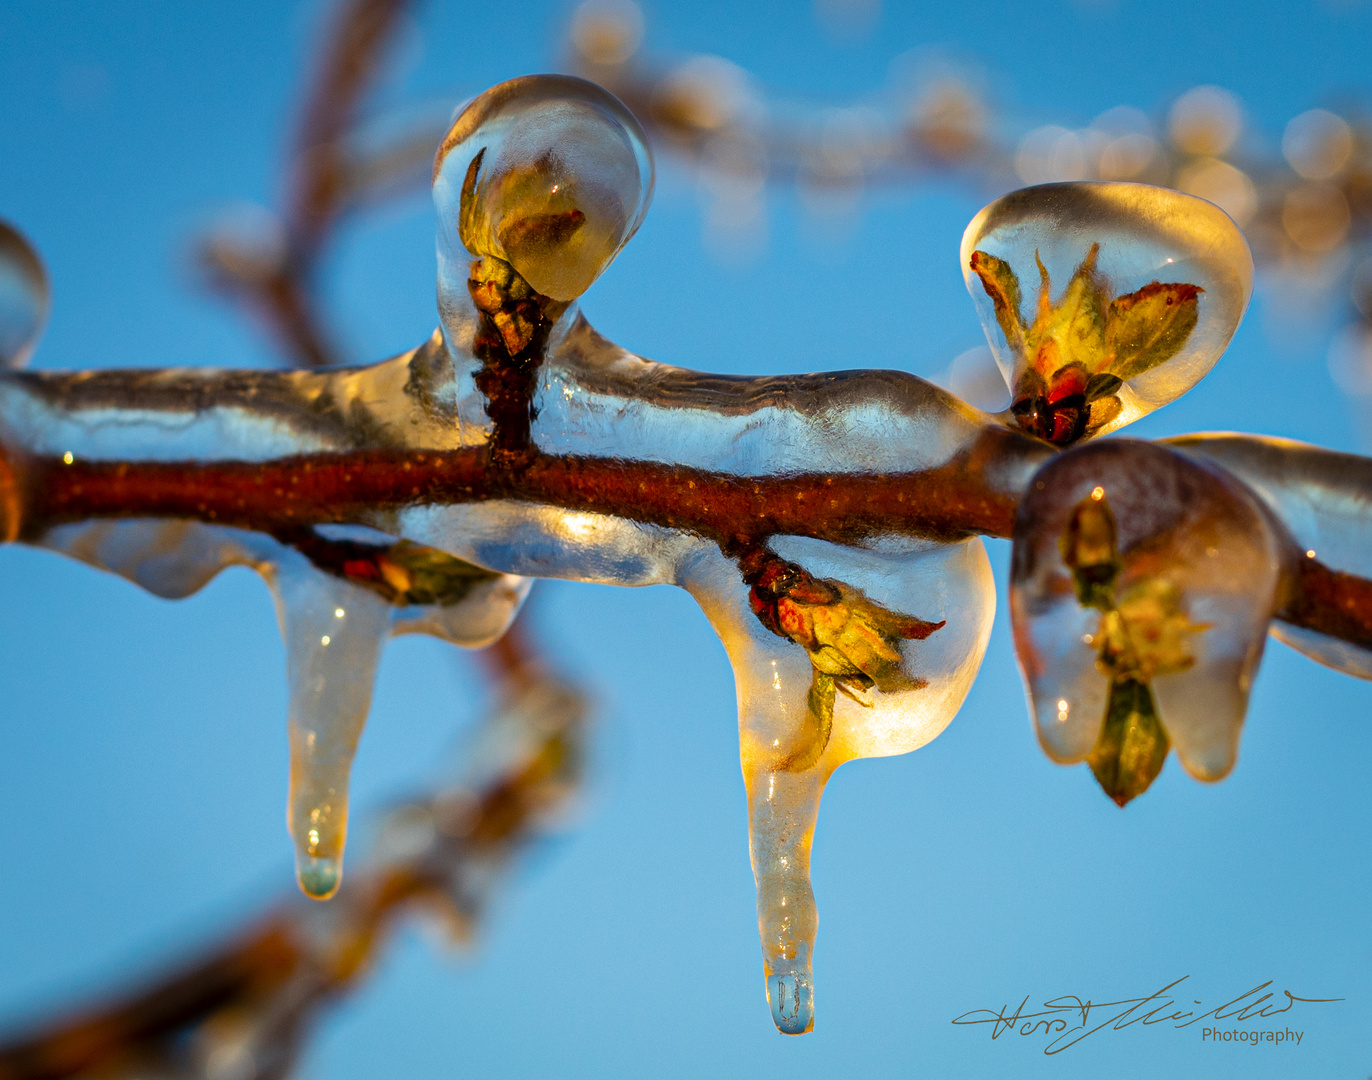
(1140,575)
(333,632)
(1122,294)
(939,583)
(333,627)
(1192,595)
(23,297)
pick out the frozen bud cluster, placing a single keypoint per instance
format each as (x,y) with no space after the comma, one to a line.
(826,524)
(838,653)
(1138,292)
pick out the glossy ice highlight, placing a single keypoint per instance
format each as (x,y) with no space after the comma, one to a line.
(1142,586)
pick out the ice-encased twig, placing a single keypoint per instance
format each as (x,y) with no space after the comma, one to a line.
(519,440)
(621,439)
(1323,499)
(743,440)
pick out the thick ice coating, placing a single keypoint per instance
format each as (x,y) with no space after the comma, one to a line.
(791,508)
(1142,585)
(1103,301)
(824,523)
(1323,498)
(23,297)
(841,650)
(548,173)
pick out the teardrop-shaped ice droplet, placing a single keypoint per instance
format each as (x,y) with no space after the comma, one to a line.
(1322,498)
(1187,567)
(838,653)
(23,297)
(550,173)
(333,633)
(1103,301)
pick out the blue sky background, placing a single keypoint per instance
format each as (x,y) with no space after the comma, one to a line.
(142,743)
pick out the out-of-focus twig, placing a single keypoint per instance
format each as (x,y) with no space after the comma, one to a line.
(273,273)
(1304,200)
(351,62)
(247,1008)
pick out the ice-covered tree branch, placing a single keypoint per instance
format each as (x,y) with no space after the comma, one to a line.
(828,525)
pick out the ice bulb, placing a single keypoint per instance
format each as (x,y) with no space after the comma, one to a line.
(1142,585)
(548,173)
(1103,301)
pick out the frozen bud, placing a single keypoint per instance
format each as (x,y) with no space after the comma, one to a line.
(853,643)
(1137,292)
(23,298)
(1142,585)
(548,173)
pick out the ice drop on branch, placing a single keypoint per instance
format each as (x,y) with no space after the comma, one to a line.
(1139,290)
(1142,586)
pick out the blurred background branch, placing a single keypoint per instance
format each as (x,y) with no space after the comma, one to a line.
(246,1008)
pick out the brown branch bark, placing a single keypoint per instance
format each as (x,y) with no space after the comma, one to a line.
(946,503)
(949,502)
(957,499)
(1329,602)
(737,512)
